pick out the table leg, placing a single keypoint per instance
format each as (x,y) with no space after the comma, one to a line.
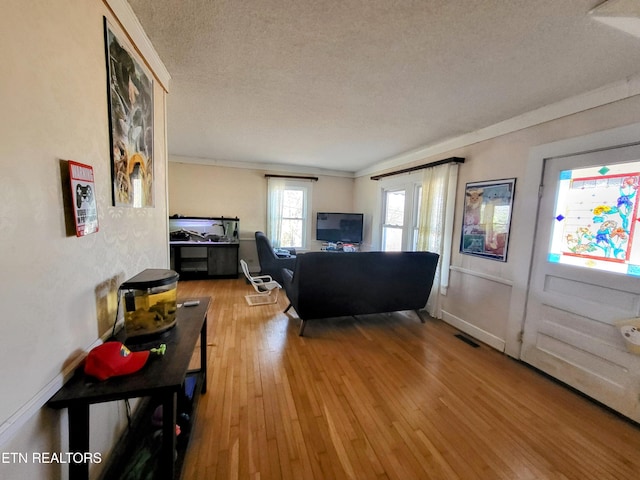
(203,354)
(79,440)
(167,460)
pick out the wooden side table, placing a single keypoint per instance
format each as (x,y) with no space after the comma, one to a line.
(161,377)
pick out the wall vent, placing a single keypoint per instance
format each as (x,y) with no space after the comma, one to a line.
(466,340)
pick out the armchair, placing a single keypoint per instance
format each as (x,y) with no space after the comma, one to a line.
(270,263)
(264,285)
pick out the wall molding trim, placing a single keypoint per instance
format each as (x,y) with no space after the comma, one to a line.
(478,333)
(266,167)
(613,92)
(132,27)
(485,276)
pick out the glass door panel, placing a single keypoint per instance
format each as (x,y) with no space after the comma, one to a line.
(394,213)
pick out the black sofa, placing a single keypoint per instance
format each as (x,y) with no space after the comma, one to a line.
(325,285)
(270,263)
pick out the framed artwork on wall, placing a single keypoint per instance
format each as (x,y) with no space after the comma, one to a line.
(487,218)
(83,194)
(130,95)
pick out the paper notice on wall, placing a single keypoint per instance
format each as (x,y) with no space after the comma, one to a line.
(85,212)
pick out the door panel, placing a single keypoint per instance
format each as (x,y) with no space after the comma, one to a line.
(573,300)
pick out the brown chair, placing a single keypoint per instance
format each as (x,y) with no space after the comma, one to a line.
(270,263)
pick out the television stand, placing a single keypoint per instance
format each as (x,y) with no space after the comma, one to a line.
(340,247)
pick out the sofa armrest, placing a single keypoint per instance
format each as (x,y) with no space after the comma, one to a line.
(289,287)
(287,276)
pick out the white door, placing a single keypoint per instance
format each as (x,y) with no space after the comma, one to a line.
(585,276)
(393,220)
(400,207)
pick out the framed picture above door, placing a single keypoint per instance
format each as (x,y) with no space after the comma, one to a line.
(487,218)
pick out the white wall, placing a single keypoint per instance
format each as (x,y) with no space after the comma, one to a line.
(486,297)
(196,189)
(59,291)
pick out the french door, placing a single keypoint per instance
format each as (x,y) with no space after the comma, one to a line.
(400,217)
(585,276)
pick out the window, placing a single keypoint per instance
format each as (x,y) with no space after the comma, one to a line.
(393,221)
(288,206)
(595,213)
(400,208)
(293,217)
(416,217)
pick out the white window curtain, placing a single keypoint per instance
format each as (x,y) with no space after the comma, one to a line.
(435,228)
(275,194)
(288,212)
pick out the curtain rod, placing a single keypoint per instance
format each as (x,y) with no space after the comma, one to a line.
(420,167)
(268,175)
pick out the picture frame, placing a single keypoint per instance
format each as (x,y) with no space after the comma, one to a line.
(487,218)
(83,195)
(130,100)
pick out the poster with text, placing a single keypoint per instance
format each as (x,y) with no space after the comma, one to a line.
(85,212)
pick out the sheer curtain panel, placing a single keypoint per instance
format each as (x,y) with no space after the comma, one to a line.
(435,225)
(275,195)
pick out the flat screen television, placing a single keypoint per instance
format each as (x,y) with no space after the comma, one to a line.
(339,227)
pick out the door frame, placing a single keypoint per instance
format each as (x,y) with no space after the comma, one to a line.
(528,199)
(409,184)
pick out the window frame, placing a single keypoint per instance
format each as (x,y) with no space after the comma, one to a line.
(412,186)
(305,187)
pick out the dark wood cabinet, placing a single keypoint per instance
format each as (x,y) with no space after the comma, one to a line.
(204,246)
(222,260)
(214,260)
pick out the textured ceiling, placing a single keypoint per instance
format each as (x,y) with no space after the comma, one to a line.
(346,84)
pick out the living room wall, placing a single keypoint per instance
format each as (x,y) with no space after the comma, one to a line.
(486,298)
(200,189)
(59,291)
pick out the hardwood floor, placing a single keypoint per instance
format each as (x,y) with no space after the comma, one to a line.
(384,397)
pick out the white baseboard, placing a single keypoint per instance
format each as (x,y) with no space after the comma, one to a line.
(475,332)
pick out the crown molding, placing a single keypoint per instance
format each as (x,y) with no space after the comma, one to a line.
(623,15)
(131,25)
(267,167)
(613,92)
